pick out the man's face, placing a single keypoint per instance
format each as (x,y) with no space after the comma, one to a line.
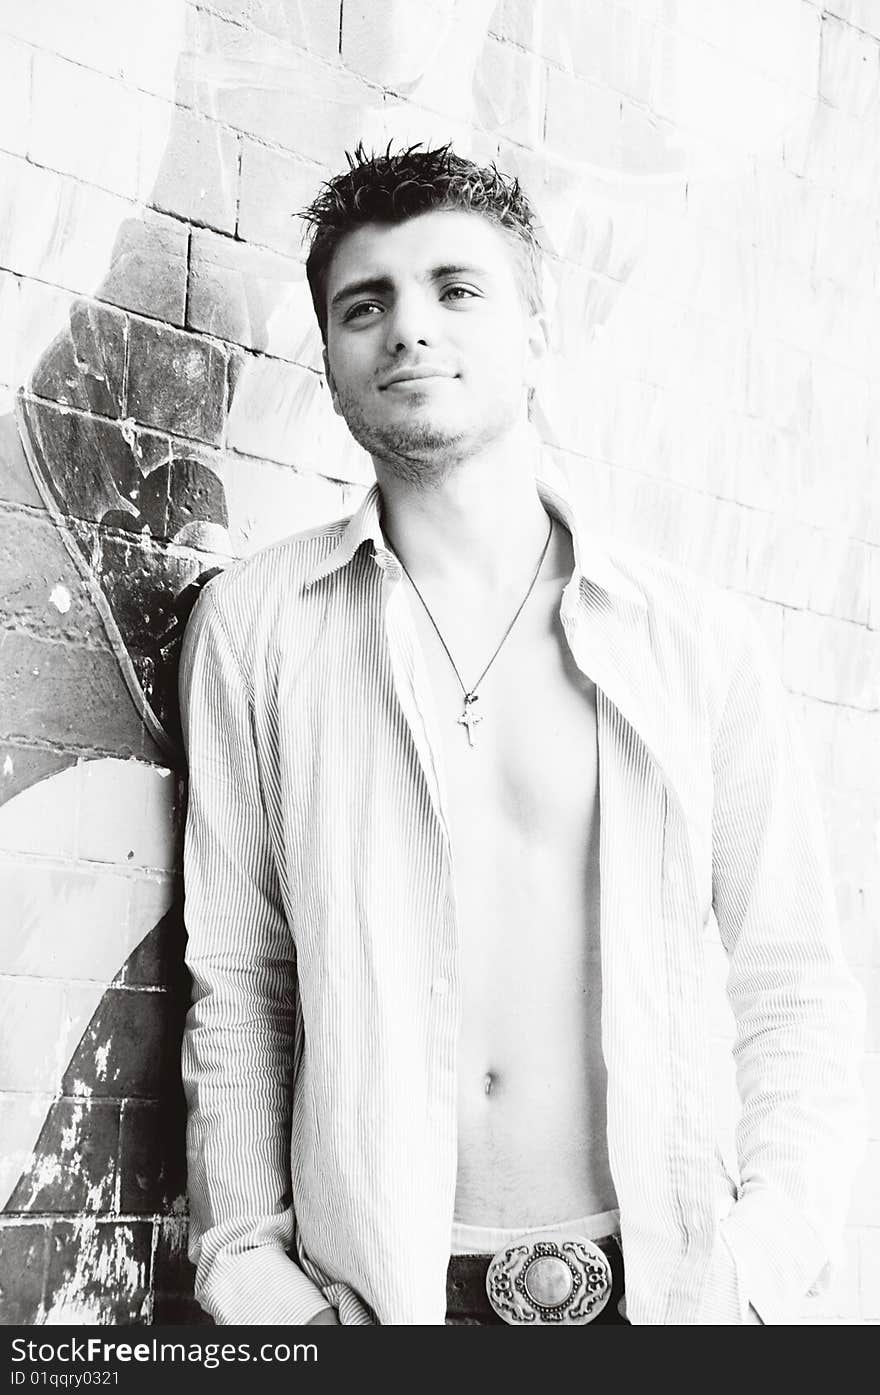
(431,347)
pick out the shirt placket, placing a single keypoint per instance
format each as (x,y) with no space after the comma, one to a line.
(443,1005)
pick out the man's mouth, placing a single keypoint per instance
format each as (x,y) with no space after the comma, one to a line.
(418,374)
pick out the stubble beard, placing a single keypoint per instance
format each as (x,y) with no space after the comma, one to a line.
(423,454)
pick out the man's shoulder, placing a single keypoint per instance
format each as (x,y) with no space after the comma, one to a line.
(670,590)
(246,598)
(276,567)
(698,629)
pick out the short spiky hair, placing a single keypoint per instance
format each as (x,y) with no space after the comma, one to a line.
(390,188)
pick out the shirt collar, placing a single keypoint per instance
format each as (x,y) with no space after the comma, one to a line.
(593,562)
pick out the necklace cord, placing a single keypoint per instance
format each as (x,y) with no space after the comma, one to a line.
(470,694)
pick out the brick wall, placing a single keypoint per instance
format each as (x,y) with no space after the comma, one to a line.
(708,179)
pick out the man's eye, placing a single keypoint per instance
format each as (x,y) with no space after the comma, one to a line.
(459,293)
(359,311)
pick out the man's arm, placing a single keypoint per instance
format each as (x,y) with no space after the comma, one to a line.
(799,1012)
(238,1045)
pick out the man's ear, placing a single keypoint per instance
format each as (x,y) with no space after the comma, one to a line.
(330,383)
(538,346)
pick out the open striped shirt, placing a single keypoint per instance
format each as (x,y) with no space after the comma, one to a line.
(320,1051)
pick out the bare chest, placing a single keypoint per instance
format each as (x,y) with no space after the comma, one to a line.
(522,807)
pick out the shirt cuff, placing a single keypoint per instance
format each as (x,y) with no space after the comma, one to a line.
(260,1287)
(778,1255)
(724,1302)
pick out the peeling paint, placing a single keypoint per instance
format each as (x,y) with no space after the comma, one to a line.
(70,1134)
(9,768)
(104,1271)
(59,596)
(101,1056)
(126,426)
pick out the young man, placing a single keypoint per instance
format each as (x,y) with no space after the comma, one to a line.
(468,789)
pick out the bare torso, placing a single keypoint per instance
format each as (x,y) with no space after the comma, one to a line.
(523,813)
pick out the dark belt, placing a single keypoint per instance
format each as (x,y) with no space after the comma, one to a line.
(544,1279)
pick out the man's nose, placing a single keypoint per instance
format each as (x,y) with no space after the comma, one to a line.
(409,325)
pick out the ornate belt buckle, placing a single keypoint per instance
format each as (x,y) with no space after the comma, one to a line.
(549,1278)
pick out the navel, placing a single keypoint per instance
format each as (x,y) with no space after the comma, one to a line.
(489,1082)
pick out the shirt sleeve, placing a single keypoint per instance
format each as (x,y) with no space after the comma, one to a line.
(238,1045)
(799,1012)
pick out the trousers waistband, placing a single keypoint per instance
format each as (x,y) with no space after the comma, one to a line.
(487,1240)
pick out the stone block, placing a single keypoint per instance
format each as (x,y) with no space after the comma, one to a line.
(264,501)
(520,21)
(176,382)
(73,1167)
(849,67)
(57,229)
(853,835)
(865,1205)
(842,1298)
(73,923)
(23,766)
(66,694)
(84,366)
(840,582)
(784,302)
(861,14)
(152,1159)
(146,271)
(252,297)
(832,660)
(282,412)
(23,1258)
(16,480)
(869,1247)
(582,122)
(38,1032)
(787,210)
(85,124)
(197,174)
(780,41)
(92,35)
(781,559)
(99,1273)
(611,44)
(400,46)
(174,1277)
(15,96)
(281,90)
(144,834)
(274,188)
(32,315)
(312,25)
(40,589)
(847,244)
(508,93)
(129,1046)
(157,962)
(856,750)
(871,1083)
(89,468)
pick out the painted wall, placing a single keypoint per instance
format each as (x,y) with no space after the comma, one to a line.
(708,175)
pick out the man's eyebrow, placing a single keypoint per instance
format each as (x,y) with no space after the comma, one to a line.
(370,285)
(383,285)
(457,269)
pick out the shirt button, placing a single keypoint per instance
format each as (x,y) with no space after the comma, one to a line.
(440,987)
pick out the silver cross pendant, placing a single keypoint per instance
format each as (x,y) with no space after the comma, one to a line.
(469,718)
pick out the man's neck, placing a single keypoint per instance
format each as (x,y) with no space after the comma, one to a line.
(477,525)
